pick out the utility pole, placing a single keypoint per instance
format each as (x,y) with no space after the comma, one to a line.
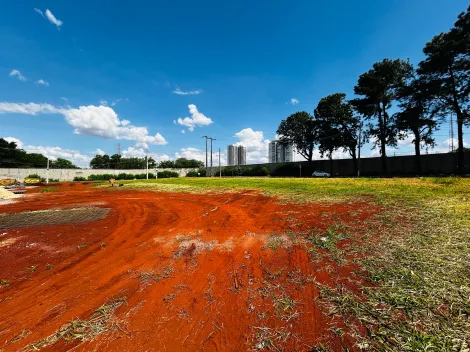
(212,139)
(220,168)
(147,162)
(206,149)
(359,152)
(47,171)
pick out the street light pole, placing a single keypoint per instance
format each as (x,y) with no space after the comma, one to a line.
(47,171)
(147,161)
(220,168)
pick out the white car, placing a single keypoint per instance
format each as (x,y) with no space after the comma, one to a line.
(320,174)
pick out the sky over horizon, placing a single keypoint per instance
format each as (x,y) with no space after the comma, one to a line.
(77,78)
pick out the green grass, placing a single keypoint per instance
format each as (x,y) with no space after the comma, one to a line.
(48,189)
(316,189)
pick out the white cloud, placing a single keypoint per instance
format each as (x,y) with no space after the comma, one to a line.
(28,109)
(17,74)
(256,145)
(53,152)
(136,152)
(191,92)
(198,154)
(103,102)
(42,83)
(197,119)
(64,99)
(49,16)
(183,131)
(294,101)
(19,144)
(99,152)
(115,102)
(52,19)
(100,121)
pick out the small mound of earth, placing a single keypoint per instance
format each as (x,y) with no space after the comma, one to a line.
(52,217)
(6,194)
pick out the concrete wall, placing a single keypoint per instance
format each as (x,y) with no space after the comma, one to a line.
(69,174)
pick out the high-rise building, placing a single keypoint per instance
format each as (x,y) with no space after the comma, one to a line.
(236,155)
(280,152)
(232,155)
(241,155)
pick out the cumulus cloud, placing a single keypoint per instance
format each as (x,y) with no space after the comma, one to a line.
(198,154)
(53,153)
(17,74)
(42,83)
(50,17)
(136,152)
(255,143)
(99,152)
(197,119)
(294,101)
(101,121)
(191,92)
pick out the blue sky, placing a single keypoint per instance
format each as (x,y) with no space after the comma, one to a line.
(108,72)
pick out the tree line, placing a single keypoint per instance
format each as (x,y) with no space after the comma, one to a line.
(116,161)
(424,94)
(12,156)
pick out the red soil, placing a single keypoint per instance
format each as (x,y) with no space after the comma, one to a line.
(221,294)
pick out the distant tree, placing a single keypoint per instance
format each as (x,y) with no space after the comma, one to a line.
(100,162)
(378,88)
(181,163)
(114,161)
(337,126)
(299,129)
(62,164)
(447,71)
(416,115)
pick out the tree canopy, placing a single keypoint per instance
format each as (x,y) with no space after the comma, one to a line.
(116,161)
(299,130)
(12,156)
(181,163)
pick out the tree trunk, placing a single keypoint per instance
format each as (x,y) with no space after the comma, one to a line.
(458,111)
(417,152)
(383,139)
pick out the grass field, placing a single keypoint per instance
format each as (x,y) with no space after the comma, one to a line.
(420,267)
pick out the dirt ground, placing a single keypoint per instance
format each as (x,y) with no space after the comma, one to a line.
(176,272)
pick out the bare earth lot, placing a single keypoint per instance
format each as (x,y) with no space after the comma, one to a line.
(141,269)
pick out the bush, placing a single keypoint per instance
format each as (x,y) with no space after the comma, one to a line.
(124,176)
(79,178)
(103,177)
(33,176)
(194,173)
(167,174)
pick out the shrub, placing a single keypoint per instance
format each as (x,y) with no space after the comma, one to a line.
(79,178)
(167,174)
(194,173)
(103,177)
(33,176)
